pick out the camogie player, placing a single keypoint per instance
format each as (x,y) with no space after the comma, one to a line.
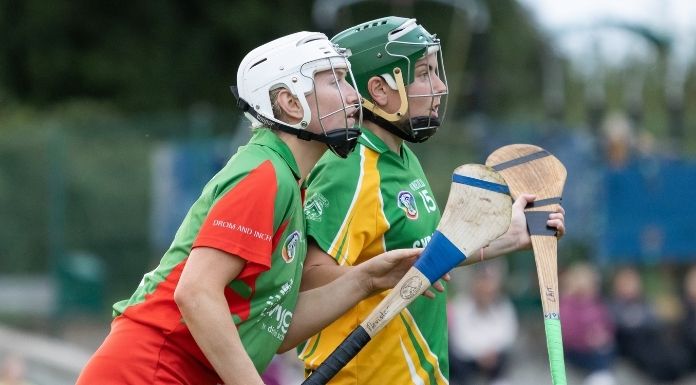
(379,199)
(225,296)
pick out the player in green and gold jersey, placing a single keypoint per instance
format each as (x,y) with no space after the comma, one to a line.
(379,199)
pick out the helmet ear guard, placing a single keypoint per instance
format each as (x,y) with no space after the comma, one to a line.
(396,116)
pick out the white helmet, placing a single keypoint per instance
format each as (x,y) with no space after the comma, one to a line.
(291,62)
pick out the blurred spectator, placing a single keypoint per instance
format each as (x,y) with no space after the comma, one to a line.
(640,333)
(483,329)
(688,326)
(13,369)
(284,369)
(588,331)
(619,139)
(273,374)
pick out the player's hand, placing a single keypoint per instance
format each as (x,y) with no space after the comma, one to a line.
(557,220)
(437,286)
(518,224)
(517,231)
(385,270)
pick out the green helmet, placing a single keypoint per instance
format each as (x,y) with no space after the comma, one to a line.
(390,47)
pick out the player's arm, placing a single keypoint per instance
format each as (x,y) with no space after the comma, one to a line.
(517,237)
(200,297)
(320,268)
(318,307)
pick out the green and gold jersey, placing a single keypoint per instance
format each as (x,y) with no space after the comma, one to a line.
(253,209)
(360,207)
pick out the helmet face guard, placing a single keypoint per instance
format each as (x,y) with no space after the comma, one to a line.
(392,48)
(343,138)
(420,127)
(293,62)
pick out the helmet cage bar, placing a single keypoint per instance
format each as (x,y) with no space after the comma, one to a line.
(430,123)
(310,75)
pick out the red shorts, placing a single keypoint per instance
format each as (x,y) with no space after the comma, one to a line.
(136,354)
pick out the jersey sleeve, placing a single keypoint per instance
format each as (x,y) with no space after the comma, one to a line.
(241,220)
(343,207)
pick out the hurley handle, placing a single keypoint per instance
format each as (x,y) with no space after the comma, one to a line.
(545,252)
(345,352)
(554,344)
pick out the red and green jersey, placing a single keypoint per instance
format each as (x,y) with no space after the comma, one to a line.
(253,209)
(357,208)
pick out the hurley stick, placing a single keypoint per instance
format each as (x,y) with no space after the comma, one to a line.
(478,210)
(533,170)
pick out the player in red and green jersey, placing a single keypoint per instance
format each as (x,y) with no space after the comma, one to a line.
(225,296)
(379,199)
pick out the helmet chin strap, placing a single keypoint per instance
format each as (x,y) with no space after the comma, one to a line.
(421,127)
(401,88)
(341,141)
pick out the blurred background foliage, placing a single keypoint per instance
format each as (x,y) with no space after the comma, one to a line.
(171,54)
(89,89)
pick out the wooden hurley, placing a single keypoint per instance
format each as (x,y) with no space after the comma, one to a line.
(478,210)
(532,170)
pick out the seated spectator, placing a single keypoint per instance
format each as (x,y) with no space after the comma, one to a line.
(640,333)
(688,326)
(634,316)
(483,328)
(13,371)
(588,331)
(284,369)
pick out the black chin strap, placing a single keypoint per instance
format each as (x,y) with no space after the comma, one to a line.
(417,122)
(341,141)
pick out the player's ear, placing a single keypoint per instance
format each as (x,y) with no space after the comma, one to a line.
(379,90)
(289,106)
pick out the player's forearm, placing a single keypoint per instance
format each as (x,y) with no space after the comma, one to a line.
(498,247)
(315,276)
(207,316)
(318,307)
(320,268)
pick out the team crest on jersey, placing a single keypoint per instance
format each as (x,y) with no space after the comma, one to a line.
(314,208)
(290,246)
(407,202)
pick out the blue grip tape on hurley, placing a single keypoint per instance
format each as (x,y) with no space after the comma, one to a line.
(491,186)
(439,257)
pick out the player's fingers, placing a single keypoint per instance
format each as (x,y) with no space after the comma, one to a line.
(410,253)
(558,225)
(557,216)
(555,223)
(437,285)
(428,294)
(400,254)
(522,200)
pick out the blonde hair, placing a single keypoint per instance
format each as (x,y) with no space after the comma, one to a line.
(275,108)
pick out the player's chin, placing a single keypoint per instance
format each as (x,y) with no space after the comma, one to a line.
(433,113)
